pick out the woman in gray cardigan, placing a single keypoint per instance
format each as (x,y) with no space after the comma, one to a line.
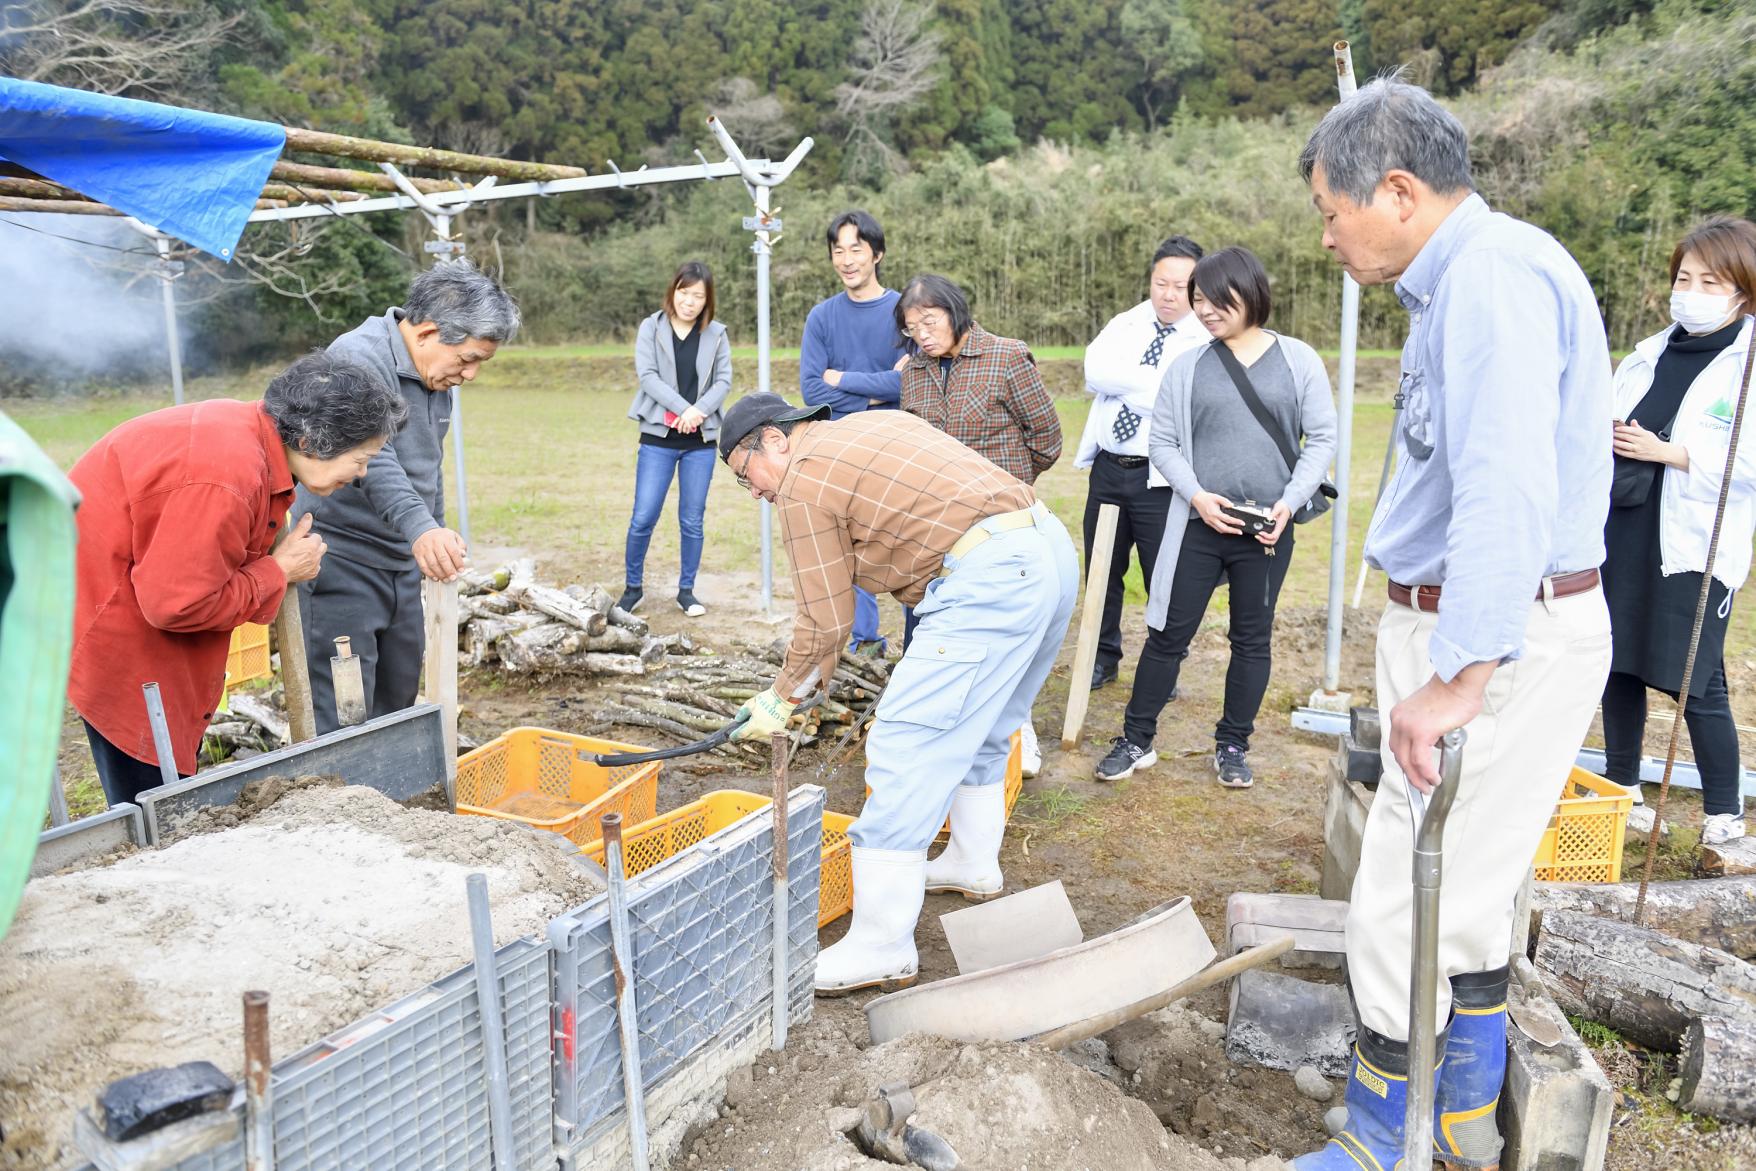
(1221,462)
(684,361)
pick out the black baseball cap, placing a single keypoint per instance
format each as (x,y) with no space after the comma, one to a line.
(753,410)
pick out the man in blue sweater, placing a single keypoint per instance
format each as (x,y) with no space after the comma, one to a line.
(851,356)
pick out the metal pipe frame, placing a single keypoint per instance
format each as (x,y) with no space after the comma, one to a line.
(779,744)
(1344,445)
(627,1012)
(481,930)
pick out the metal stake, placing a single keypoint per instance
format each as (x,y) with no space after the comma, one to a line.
(161,733)
(349,685)
(258,1088)
(1429,816)
(57,796)
(779,743)
(167,294)
(627,1012)
(1344,446)
(481,929)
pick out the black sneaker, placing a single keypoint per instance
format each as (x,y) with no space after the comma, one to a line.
(690,604)
(1103,674)
(1124,759)
(1233,770)
(631,596)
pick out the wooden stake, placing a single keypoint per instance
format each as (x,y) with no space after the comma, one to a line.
(317,142)
(340,178)
(439,602)
(289,636)
(1097,580)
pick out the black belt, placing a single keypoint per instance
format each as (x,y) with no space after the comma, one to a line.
(1125,461)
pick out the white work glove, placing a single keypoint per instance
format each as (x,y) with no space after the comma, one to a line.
(767,714)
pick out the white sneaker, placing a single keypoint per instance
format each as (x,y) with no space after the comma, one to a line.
(1633,791)
(970,863)
(879,948)
(1721,828)
(1029,755)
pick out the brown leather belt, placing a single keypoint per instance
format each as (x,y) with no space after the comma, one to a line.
(1562,585)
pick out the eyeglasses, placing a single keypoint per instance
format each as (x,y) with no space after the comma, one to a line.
(925,323)
(749,454)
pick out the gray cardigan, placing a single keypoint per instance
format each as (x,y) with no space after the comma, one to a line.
(655,362)
(1173,442)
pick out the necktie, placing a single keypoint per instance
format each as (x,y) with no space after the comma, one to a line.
(1125,427)
(1156,350)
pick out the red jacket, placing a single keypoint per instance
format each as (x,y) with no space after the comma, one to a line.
(180,510)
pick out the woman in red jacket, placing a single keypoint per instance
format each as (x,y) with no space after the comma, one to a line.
(182,538)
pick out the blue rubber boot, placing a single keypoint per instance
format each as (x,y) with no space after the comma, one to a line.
(1376,1101)
(1465,1132)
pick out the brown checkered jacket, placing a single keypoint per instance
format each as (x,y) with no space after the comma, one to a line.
(993,400)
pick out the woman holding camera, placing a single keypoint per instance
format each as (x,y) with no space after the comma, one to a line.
(1675,397)
(683,358)
(1226,432)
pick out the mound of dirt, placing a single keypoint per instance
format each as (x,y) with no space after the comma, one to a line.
(1012,1107)
(334,899)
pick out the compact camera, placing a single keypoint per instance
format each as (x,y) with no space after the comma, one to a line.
(1256,518)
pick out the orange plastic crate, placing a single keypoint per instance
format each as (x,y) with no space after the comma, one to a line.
(1584,840)
(540,777)
(248,658)
(651,842)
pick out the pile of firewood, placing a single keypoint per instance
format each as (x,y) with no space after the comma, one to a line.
(506,618)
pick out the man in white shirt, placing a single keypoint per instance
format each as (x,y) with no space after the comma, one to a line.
(1124,366)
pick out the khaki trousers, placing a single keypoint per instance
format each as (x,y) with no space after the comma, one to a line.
(1534,717)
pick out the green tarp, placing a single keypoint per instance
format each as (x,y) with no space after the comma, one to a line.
(36,636)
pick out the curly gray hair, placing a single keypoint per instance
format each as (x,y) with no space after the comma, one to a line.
(325,406)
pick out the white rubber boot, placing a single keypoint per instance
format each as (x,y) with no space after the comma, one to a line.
(1030,756)
(879,949)
(970,862)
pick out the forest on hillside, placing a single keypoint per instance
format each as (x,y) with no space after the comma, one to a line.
(1032,149)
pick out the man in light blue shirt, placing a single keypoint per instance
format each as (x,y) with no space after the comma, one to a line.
(1491,533)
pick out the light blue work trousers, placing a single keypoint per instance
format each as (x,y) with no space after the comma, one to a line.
(989,632)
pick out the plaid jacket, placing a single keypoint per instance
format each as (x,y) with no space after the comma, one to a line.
(993,400)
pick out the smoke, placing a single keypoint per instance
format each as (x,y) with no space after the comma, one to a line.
(79,300)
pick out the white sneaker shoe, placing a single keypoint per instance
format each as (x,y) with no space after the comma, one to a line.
(1721,828)
(970,863)
(879,948)
(1029,755)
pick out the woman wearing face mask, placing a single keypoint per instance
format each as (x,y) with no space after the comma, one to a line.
(1674,401)
(1218,454)
(684,360)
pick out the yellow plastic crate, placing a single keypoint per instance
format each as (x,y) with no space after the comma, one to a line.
(1584,840)
(248,660)
(651,842)
(1014,786)
(540,777)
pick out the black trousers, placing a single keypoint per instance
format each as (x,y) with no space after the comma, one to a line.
(380,610)
(1254,579)
(1141,526)
(1712,734)
(122,777)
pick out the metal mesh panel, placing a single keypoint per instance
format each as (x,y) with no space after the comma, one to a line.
(407,1089)
(701,927)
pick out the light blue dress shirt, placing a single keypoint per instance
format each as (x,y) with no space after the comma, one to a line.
(1504,476)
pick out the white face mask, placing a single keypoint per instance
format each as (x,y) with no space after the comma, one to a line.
(1700,312)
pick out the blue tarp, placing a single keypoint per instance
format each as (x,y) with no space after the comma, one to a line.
(188,173)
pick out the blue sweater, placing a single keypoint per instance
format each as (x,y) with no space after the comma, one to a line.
(859,339)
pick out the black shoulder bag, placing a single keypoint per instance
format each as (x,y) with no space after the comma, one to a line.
(1318,504)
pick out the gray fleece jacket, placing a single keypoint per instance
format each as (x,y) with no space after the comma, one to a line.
(1173,442)
(375,520)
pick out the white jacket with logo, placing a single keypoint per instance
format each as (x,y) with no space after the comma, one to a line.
(1704,427)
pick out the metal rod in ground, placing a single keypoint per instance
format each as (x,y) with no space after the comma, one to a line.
(1344,446)
(169,296)
(57,796)
(627,1011)
(780,742)
(481,930)
(258,1086)
(161,733)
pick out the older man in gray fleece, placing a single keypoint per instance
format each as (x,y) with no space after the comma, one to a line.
(387,531)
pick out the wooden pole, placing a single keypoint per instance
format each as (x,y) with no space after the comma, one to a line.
(1097,580)
(340,178)
(439,601)
(39,189)
(289,636)
(317,142)
(58,206)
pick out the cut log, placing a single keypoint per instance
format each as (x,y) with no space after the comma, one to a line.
(676,644)
(622,618)
(1737,857)
(595,597)
(1714,912)
(1719,1069)
(555,649)
(556,604)
(488,605)
(1645,985)
(480,634)
(260,714)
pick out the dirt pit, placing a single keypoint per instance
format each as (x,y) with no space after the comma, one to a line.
(334,899)
(1002,1107)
